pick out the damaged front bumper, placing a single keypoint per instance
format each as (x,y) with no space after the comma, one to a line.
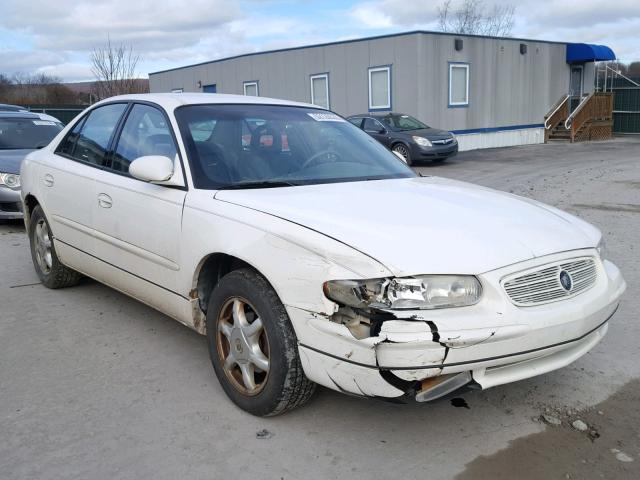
(429,353)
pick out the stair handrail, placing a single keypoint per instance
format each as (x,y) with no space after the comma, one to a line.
(547,126)
(583,102)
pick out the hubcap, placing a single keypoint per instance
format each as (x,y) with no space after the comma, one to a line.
(402,151)
(42,243)
(243,347)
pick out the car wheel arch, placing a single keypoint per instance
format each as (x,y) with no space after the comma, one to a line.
(400,142)
(211,269)
(30,203)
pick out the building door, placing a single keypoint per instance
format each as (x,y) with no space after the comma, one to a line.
(575,86)
(209,88)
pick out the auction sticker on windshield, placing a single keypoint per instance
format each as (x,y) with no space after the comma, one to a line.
(326,117)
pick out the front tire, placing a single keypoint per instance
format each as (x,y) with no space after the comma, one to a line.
(53,274)
(253,348)
(403,150)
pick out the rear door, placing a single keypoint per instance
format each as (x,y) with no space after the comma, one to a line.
(138,224)
(68,179)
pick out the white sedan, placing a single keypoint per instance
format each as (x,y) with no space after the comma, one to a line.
(309,254)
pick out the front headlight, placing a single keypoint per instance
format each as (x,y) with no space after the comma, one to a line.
(10,180)
(602,249)
(423,142)
(421,292)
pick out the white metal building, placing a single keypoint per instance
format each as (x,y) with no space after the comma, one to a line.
(489,91)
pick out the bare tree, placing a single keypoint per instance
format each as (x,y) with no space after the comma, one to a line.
(474,17)
(114,67)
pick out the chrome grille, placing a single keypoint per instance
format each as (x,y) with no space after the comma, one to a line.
(542,284)
(444,141)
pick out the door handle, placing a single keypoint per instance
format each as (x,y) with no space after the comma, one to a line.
(104,200)
(48,180)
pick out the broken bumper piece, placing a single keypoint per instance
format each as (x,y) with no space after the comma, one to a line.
(425,355)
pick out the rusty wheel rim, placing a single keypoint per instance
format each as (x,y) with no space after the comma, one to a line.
(243,346)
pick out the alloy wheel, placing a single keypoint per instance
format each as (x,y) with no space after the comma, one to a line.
(402,150)
(243,347)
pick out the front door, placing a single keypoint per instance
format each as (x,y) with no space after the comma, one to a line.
(575,86)
(138,223)
(378,131)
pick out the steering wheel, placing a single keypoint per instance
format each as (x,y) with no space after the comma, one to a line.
(331,157)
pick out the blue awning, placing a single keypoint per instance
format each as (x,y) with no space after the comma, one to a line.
(587,52)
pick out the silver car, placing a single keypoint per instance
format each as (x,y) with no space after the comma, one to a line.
(20,134)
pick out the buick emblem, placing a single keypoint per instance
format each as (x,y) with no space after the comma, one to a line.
(565,280)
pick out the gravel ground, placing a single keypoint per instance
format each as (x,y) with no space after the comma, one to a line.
(96,385)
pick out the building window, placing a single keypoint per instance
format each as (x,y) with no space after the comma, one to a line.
(251,88)
(320,90)
(458,84)
(213,88)
(177,90)
(380,88)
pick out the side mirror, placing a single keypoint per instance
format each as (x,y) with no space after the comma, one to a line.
(382,131)
(152,168)
(399,155)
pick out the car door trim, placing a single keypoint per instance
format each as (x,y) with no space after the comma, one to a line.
(122,270)
(120,244)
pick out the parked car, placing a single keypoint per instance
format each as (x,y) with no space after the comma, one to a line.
(326,262)
(407,136)
(20,134)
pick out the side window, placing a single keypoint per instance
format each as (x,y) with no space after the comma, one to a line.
(145,132)
(372,126)
(68,144)
(92,143)
(458,84)
(356,121)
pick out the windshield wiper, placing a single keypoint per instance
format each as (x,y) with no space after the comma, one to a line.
(259,184)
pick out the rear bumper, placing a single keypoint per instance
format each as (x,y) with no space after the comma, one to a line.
(495,341)
(10,204)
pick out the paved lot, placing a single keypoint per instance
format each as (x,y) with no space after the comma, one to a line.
(95,385)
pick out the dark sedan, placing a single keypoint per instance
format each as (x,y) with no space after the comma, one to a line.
(20,134)
(408,136)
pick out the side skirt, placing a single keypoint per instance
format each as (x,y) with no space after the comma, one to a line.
(165,301)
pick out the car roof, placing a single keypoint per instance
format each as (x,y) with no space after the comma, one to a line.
(28,115)
(173,100)
(25,114)
(6,107)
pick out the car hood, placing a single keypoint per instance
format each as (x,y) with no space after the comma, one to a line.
(430,133)
(425,225)
(10,160)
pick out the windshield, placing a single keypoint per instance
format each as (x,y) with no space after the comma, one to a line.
(257,146)
(26,133)
(402,123)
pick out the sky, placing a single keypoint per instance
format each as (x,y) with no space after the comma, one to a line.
(57,36)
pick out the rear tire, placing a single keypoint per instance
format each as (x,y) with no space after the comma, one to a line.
(53,274)
(253,348)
